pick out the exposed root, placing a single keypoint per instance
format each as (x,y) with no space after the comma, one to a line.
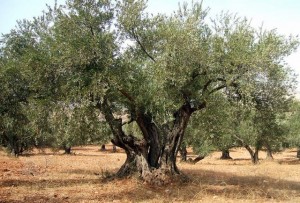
(196,160)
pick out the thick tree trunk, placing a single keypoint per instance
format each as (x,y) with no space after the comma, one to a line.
(153,156)
(225,154)
(153,137)
(298,153)
(130,165)
(174,139)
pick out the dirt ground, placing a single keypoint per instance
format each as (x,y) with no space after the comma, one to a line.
(53,177)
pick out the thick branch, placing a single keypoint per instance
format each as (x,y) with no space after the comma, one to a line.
(209,82)
(199,106)
(127,142)
(245,145)
(217,88)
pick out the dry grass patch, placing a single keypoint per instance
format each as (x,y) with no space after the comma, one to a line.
(52,177)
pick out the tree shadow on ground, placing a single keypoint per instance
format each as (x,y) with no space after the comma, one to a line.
(200,183)
(290,161)
(208,183)
(47,183)
(99,154)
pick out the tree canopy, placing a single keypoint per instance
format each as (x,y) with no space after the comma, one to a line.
(105,60)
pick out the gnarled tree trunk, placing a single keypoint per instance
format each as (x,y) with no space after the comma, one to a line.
(225,154)
(153,156)
(130,165)
(174,139)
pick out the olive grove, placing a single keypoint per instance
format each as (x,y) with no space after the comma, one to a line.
(109,59)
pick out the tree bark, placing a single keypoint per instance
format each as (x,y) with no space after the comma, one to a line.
(103,148)
(175,137)
(225,154)
(154,155)
(133,147)
(130,165)
(269,152)
(298,153)
(253,154)
(255,159)
(67,149)
(153,137)
(183,153)
(114,148)
(196,160)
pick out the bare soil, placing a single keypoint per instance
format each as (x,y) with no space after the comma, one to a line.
(53,177)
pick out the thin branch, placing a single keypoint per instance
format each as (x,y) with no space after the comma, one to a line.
(209,82)
(217,88)
(127,95)
(136,37)
(205,87)
(239,139)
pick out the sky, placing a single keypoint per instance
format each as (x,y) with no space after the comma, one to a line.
(283,15)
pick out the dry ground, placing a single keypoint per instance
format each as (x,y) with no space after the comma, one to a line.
(53,177)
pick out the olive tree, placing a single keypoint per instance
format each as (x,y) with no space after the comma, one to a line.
(14,91)
(293,116)
(158,69)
